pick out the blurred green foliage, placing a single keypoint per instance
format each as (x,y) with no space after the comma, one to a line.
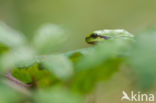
(143,59)
(68,77)
(8,95)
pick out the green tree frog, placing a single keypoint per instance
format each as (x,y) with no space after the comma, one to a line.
(101,35)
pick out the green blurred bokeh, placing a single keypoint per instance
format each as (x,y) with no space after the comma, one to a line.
(78,17)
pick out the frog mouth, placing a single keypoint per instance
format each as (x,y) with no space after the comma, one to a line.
(92,42)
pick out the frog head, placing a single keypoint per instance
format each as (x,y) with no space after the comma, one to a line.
(107,34)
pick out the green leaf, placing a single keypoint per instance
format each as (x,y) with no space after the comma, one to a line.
(76,55)
(17,57)
(59,65)
(57,95)
(9,37)
(48,38)
(9,95)
(3,49)
(102,52)
(22,75)
(36,75)
(142,58)
(85,80)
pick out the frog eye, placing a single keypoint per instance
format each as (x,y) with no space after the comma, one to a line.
(94,35)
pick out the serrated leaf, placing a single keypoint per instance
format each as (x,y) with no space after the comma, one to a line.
(34,74)
(22,74)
